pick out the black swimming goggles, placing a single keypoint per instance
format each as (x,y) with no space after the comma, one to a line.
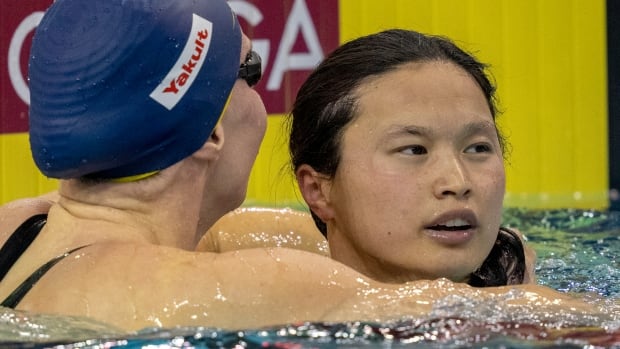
(251,70)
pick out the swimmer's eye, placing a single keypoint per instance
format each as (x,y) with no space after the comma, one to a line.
(479,148)
(413,150)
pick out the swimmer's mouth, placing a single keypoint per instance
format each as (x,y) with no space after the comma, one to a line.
(457,220)
(452,225)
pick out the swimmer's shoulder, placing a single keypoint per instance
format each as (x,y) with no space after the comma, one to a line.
(14,213)
(530,257)
(258,227)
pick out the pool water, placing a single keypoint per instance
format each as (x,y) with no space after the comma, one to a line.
(577,251)
(583,245)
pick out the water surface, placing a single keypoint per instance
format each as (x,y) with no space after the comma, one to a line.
(577,254)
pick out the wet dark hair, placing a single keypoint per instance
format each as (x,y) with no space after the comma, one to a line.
(505,264)
(326,103)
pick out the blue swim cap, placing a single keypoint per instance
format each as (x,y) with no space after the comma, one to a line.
(125,87)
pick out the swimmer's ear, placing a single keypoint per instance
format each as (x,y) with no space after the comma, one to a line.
(213,146)
(315,188)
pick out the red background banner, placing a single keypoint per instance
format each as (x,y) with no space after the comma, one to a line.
(15,38)
(292,36)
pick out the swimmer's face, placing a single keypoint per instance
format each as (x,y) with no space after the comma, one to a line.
(419,189)
(244,123)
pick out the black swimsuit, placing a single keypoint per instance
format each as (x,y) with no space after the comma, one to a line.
(14,247)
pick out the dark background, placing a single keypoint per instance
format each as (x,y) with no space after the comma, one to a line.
(613,63)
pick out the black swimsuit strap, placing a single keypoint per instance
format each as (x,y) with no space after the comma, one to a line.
(14,247)
(16,296)
(17,243)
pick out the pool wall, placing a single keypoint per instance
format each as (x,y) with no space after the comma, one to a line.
(549,59)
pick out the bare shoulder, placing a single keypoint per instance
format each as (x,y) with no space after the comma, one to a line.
(258,227)
(14,213)
(530,258)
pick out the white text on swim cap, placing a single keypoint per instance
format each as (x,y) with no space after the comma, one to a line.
(181,77)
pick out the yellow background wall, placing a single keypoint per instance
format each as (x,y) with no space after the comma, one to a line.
(548,58)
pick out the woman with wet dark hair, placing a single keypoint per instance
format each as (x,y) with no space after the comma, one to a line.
(395,148)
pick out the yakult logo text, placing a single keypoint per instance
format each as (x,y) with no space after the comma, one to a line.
(181,77)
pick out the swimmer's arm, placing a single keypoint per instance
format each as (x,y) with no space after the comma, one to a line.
(133,287)
(138,286)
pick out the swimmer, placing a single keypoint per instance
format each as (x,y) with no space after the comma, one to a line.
(146,114)
(396,151)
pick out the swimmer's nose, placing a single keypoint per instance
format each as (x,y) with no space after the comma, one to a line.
(452,180)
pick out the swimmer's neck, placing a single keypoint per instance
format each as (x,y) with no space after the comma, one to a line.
(107,209)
